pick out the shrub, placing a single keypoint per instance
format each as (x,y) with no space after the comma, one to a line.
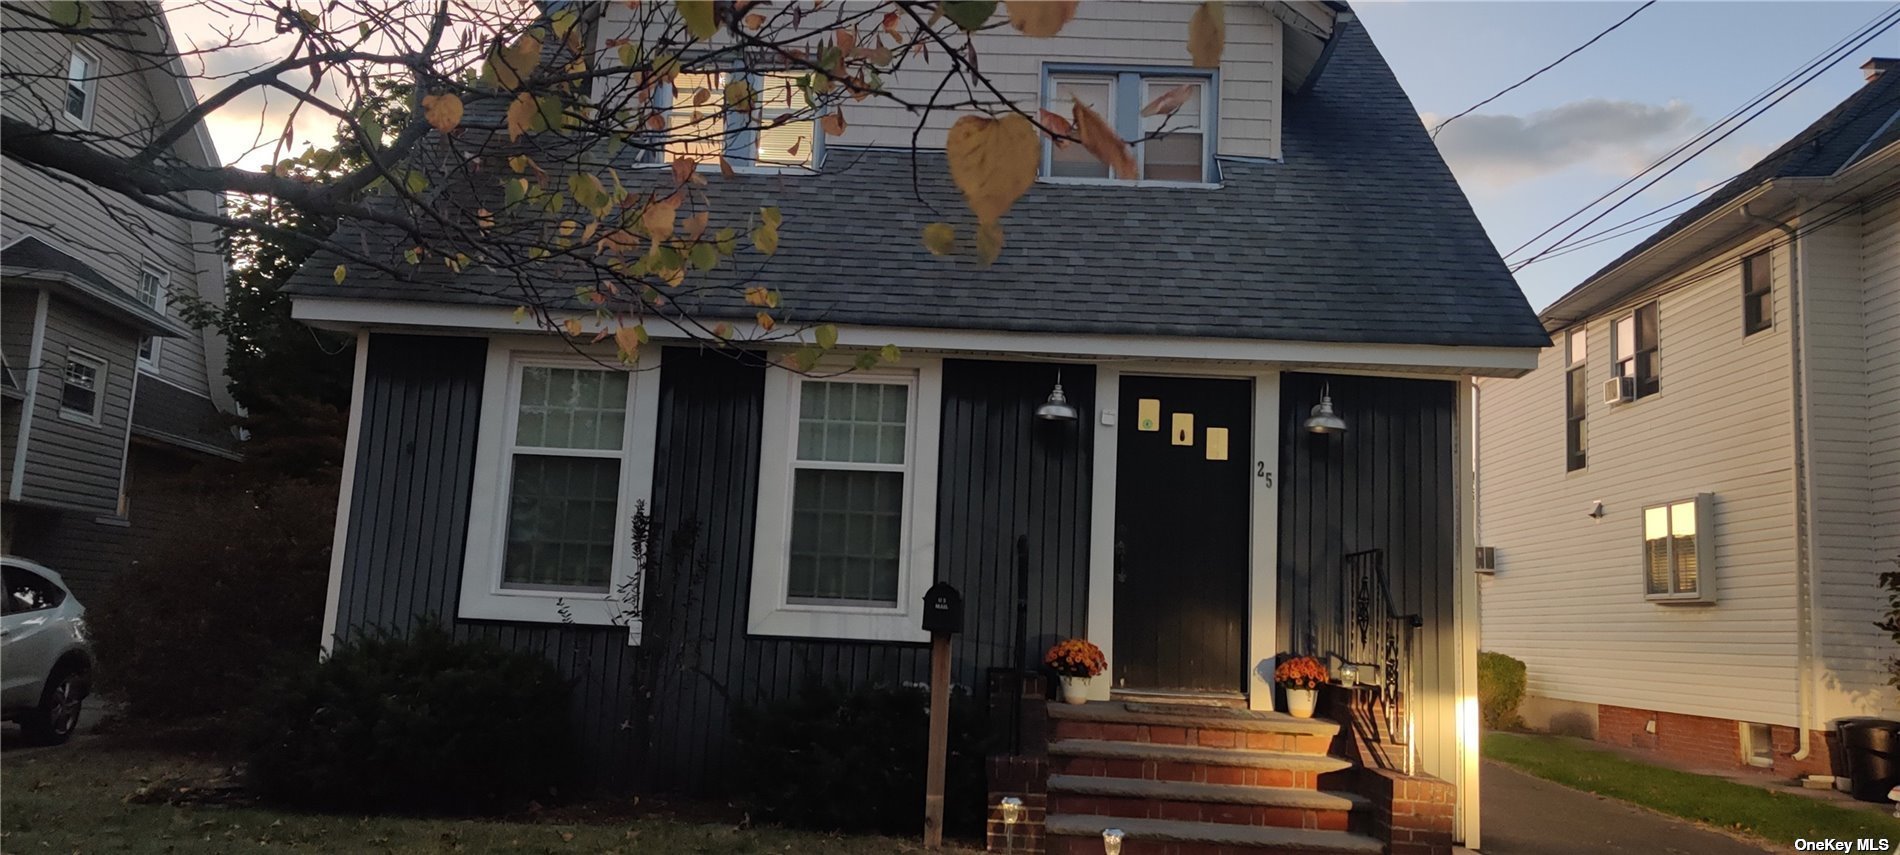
(837,759)
(418,723)
(1500,689)
(211,611)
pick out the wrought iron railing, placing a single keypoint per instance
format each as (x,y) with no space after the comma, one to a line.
(1376,634)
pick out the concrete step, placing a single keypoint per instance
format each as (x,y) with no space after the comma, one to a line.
(1284,807)
(1072,834)
(1192,715)
(1190,763)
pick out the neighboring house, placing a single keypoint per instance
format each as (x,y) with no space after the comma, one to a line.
(1691,497)
(107,394)
(1305,241)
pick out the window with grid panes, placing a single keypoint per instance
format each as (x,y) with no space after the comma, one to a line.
(848,474)
(564,478)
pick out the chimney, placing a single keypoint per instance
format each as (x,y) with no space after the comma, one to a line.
(1877,66)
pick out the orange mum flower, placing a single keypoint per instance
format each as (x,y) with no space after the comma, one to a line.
(1076,657)
(1300,672)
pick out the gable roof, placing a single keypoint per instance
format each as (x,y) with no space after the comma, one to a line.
(32,258)
(1360,235)
(1862,124)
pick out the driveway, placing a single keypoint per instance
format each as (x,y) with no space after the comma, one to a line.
(1531,816)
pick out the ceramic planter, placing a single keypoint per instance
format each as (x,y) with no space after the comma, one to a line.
(1075,690)
(1300,702)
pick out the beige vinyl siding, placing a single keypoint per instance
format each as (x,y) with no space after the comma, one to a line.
(104,230)
(72,464)
(1880,311)
(1105,32)
(1850,652)
(1568,595)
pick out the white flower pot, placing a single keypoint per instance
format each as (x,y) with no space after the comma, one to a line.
(1300,702)
(1075,690)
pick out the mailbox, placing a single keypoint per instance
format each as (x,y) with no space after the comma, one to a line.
(943,609)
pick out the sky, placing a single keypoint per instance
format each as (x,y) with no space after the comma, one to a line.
(1547,149)
(1528,159)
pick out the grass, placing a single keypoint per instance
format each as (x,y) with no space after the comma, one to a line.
(1777,817)
(75,799)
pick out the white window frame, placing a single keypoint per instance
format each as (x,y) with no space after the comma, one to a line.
(770,612)
(1128,86)
(89,85)
(741,146)
(483,596)
(1755,752)
(148,362)
(100,371)
(1704,510)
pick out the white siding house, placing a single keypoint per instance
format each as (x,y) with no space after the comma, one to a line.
(1778,410)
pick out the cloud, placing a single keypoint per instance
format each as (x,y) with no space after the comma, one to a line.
(1500,150)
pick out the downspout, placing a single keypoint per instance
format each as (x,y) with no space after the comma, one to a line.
(1804,504)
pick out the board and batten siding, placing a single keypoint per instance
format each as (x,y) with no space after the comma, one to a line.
(1568,594)
(1388,483)
(74,465)
(1002,475)
(96,226)
(1108,32)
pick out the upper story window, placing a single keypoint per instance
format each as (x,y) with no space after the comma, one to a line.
(82,78)
(152,282)
(1633,350)
(84,382)
(1758,294)
(769,132)
(1576,399)
(1172,146)
(1679,550)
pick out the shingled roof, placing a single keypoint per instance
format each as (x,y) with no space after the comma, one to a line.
(1361,234)
(1866,122)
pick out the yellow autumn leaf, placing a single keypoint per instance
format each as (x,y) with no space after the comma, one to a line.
(573,327)
(658,217)
(989,242)
(1168,102)
(695,225)
(765,321)
(940,238)
(510,65)
(1207,34)
(698,15)
(627,340)
(739,96)
(521,115)
(340,272)
(993,162)
(1040,18)
(833,122)
(1099,137)
(444,112)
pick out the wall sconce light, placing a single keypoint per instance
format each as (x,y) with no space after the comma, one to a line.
(1349,675)
(1011,808)
(1057,408)
(1596,510)
(1111,841)
(1323,420)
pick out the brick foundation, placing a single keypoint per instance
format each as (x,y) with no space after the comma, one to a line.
(1414,814)
(1026,778)
(1709,743)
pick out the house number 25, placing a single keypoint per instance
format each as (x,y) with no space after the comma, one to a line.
(1260,471)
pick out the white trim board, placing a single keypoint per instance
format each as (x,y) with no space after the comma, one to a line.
(30,376)
(342,313)
(341,537)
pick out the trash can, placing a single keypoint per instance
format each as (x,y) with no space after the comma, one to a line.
(1872,746)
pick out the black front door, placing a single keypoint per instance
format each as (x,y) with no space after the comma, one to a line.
(1181,536)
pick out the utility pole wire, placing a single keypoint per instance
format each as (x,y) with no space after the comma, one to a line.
(1534,75)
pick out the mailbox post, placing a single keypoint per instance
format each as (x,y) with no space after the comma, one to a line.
(943,617)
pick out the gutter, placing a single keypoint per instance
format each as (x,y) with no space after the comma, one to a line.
(1805,599)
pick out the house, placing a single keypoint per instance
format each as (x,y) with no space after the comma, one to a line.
(1691,497)
(106,393)
(1305,245)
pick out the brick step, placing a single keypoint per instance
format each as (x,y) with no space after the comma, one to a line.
(1182,724)
(1073,834)
(1190,763)
(1205,802)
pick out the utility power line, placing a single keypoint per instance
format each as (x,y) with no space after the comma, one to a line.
(1535,74)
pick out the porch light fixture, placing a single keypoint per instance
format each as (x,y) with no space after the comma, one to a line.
(1111,841)
(1011,808)
(1349,674)
(1057,408)
(1323,419)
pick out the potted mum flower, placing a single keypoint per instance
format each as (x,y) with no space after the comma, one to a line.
(1076,661)
(1300,676)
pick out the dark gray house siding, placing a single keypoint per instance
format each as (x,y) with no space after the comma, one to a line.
(1003,475)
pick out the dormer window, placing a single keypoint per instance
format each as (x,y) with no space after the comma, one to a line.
(82,78)
(771,134)
(1171,147)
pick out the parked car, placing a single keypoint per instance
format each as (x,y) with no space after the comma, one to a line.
(45,666)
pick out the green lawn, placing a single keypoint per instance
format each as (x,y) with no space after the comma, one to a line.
(74,799)
(1778,817)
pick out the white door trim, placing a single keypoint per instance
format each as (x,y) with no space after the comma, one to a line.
(1264,545)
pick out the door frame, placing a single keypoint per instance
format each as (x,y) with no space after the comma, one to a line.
(1263,515)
